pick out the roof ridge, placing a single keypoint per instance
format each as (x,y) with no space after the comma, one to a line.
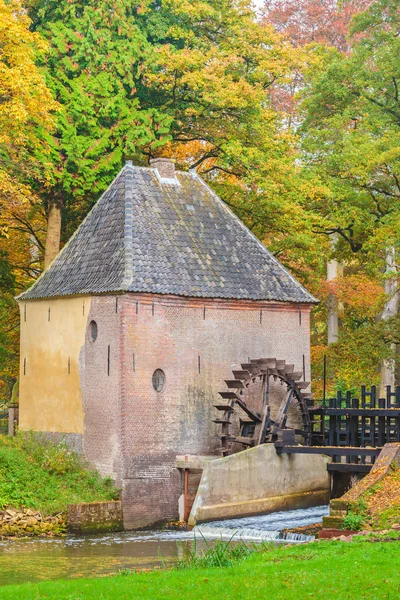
(128,228)
(265,249)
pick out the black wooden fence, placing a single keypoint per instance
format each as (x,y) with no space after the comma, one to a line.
(353,430)
(365,421)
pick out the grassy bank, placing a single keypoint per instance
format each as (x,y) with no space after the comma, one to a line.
(379,507)
(39,475)
(323,570)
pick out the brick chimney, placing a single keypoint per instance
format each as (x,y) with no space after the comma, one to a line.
(165,168)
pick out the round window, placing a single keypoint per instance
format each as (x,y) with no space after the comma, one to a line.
(158,380)
(93,331)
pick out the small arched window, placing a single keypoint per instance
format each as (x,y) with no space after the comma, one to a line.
(93,331)
(158,380)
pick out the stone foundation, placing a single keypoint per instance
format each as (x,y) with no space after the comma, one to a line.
(95,517)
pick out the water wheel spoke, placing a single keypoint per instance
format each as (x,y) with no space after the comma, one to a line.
(253,414)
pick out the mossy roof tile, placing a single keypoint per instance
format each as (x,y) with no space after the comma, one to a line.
(148,236)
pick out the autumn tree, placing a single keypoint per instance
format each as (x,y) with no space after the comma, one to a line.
(25,116)
(351,146)
(308,21)
(188,79)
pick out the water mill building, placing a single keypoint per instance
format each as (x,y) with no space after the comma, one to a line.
(128,336)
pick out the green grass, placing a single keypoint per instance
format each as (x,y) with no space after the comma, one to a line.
(34,473)
(324,570)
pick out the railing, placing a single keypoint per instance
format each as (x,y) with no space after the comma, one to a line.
(347,421)
(352,430)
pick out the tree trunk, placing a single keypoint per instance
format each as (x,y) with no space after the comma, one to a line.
(334,270)
(388,367)
(53,234)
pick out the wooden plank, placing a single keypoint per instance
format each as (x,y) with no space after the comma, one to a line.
(243,375)
(366,412)
(229,395)
(252,368)
(234,384)
(329,450)
(243,440)
(349,468)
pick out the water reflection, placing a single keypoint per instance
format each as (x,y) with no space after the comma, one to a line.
(41,559)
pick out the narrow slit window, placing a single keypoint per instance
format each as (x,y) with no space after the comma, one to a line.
(158,380)
(93,331)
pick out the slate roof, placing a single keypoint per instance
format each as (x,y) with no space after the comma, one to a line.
(144,235)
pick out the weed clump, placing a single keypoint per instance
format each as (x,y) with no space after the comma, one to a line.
(353,522)
(219,554)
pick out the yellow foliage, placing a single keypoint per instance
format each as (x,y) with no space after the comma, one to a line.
(26,100)
(26,111)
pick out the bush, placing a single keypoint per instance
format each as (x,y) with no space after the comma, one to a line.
(353,522)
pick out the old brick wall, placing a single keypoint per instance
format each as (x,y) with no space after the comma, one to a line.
(100,370)
(196,344)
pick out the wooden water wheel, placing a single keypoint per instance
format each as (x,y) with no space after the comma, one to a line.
(247,421)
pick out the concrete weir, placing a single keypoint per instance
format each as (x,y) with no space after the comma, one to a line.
(258,481)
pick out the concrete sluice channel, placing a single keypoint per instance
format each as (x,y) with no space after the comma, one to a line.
(94,555)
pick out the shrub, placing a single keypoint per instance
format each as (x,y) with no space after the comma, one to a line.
(353,522)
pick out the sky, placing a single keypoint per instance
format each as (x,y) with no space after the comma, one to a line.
(258,4)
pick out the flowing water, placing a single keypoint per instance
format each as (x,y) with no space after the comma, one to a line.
(88,556)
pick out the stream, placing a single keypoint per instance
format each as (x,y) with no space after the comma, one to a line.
(39,559)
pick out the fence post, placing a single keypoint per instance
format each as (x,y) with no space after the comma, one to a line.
(11,419)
